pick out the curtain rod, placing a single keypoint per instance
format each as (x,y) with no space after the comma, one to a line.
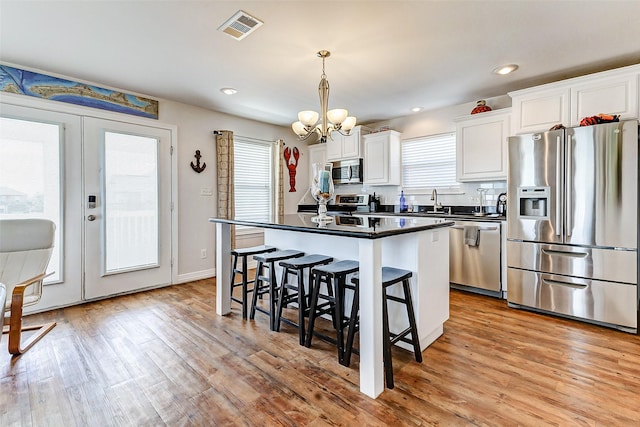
(217,132)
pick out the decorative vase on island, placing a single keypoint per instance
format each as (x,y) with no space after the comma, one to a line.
(481,107)
(322,190)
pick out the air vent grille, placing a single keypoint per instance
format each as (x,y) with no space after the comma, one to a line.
(240,25)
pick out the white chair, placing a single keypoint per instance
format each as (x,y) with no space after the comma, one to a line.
(25,249)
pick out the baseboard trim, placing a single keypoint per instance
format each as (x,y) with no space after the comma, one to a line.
(196,275)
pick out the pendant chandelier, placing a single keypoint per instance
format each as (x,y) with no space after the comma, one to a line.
(331,120)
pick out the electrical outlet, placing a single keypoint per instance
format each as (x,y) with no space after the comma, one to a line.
(203,253)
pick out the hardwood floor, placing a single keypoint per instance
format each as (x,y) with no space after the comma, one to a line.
(163,357)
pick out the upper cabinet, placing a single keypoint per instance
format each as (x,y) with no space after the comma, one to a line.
(317,154)
(567,102)
(382,158)
(346,146)
(481,146)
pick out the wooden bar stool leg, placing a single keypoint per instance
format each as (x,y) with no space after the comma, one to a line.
(315,291)
(245,287)
(301,307)
(353,322)
(273,291)
(256,288)
(412,320)
(339,282)
(388,365)
(282,295)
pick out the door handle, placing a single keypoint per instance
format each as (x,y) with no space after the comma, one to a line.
(91,218)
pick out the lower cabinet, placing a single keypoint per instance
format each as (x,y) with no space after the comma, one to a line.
(382,158)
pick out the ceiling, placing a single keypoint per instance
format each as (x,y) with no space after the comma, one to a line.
(386,56)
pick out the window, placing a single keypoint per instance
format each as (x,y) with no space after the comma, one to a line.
(30,177)
(253,180)
(429,162)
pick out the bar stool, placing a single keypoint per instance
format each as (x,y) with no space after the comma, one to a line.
(269,284)
(296,267)
(334,276)
(390,277)
(243,253)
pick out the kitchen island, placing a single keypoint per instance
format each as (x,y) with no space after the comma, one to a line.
(420,245)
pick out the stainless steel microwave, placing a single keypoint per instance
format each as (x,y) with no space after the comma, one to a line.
(347,171)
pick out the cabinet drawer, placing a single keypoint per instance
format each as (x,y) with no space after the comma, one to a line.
(595,300)
(603,264)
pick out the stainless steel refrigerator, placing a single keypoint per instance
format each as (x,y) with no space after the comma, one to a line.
(572,223)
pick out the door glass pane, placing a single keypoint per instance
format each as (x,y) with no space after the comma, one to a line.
(30,177)
(131,202)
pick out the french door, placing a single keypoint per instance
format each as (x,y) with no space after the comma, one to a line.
(107,186)
(127,207)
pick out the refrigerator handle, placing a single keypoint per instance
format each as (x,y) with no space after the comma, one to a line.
(560,197)
(568,186)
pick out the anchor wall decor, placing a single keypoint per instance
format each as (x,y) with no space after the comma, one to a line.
(197,166)
(292,163)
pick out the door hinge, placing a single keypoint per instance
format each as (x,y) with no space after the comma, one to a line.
(171,151)
(171,206)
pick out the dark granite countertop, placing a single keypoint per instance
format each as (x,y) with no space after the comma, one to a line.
(357,226)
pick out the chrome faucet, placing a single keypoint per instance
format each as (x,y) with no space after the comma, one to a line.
(434,197)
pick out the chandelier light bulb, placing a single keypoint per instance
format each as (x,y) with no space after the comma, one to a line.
(299,129)
(337,116)
(348,123)
(308,117)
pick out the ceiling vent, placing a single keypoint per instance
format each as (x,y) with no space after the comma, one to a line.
(240,25)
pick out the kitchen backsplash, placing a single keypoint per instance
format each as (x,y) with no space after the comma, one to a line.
(466,195)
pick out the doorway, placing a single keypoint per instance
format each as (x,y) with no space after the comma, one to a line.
(107,185)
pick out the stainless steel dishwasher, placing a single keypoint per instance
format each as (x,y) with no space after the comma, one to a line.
(474,257)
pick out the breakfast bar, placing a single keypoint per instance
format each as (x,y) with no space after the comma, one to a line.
(420,245)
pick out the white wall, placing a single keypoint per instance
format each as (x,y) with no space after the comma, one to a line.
(195,125)
(432,123)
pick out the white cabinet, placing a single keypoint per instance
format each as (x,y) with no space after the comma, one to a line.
(346,146)
(567,102)
(317,154)
(382,158)
(538,111)
(481,146)
(608,95)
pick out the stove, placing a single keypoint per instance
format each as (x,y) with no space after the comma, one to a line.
(352,202)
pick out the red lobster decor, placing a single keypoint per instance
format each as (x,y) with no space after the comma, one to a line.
(291,165)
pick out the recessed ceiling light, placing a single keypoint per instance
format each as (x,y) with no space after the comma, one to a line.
(506,69)
(416,109)
(228,91)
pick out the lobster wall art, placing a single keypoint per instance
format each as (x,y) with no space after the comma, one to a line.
(292,164)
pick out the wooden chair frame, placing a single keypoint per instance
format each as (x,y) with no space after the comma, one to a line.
(12,324)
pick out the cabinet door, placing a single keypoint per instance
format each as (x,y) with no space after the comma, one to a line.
(334,146)
(538,111)
(382,158)
(376,159)
(481,147)
(612,95)
(317,154)
(351,144)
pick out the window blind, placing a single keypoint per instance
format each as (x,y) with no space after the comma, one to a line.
(253,180)
(429,162)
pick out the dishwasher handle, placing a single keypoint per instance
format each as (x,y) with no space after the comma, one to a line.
(458,227)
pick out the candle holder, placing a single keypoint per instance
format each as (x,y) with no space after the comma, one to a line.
(322,190)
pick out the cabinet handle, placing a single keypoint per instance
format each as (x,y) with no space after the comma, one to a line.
(565,284)
(563,253)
